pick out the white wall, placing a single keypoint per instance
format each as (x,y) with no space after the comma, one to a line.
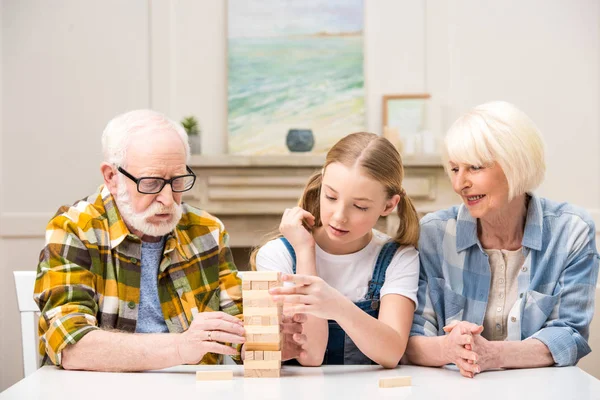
(69,66)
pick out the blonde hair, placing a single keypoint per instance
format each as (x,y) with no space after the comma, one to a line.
(498,132)
(380,161)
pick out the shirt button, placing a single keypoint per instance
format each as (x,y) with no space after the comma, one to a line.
(501,281)
(502,268)
(524,269)
(131,305)
(501,295)
(520,295)
(133,260)
(513,319)
(499,309)
(498,326)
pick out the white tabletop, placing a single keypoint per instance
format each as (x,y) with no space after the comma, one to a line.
(329,382)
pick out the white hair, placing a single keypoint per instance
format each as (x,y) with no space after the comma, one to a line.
(119,130)
(498,132)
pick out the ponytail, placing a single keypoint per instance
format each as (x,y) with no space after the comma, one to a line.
(408,230)
(309,201)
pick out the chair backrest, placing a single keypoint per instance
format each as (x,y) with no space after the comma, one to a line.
(25,282)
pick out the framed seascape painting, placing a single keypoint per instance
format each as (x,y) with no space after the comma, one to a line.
(295,74)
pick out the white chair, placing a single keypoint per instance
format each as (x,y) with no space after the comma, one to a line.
(24,283)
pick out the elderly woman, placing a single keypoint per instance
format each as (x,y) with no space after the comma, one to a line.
(507,278)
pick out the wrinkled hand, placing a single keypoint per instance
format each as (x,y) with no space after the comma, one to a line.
(206,334)
(311,295)
(293,229)
(293,338)
(458,346)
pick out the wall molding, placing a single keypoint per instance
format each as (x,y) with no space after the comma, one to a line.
(33,224)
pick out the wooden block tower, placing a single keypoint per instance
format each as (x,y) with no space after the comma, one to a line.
(262,317)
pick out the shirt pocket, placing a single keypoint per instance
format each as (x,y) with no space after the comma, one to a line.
(450,304)
(537,310)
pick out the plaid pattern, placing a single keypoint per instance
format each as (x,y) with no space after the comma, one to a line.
(556,284)
(89,274)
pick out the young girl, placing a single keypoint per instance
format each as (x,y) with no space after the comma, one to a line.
(357,285)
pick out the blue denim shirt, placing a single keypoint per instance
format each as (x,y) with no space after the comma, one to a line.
(556,284)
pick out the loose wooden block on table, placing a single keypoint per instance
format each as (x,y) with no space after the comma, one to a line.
(396,381)
(217,375)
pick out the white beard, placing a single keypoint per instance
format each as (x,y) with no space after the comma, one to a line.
(138,221)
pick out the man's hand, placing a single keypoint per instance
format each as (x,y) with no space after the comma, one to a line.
(460,335)
(207,333)
(293,338)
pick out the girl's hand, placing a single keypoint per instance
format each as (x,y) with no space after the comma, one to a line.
(293,229)
(310,295)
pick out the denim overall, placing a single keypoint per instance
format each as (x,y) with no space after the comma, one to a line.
(340,348)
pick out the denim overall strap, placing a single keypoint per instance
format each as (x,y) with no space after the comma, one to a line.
(290,248)
(383,261)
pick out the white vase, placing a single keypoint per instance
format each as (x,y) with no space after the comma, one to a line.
(195,145)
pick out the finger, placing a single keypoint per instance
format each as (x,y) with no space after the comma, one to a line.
(300,339)
(465,366)
(286,290)
(293,298)
(477,330)
(220,325)
(299,279)
(466,374)
(224,337)
(468,355)
(300,318)
(218,348)
(450,326)
(219,315)
(464,339)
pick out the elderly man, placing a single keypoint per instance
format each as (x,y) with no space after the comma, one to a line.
(130,277)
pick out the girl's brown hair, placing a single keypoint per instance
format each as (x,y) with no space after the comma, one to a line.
(380,161)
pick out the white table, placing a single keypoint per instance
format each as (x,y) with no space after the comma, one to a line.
(329,382)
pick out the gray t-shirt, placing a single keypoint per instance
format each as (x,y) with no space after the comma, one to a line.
(150,316)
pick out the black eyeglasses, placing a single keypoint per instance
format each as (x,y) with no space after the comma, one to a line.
(151,185)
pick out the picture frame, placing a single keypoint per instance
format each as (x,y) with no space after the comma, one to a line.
(405,120)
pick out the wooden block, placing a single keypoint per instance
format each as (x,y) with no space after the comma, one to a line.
(267,337)
(273,320)
(256,294)
(269,311)
(249,338)
(260,285)
(261,276)
(248,355)
(261,364)
(258,346)
(262,329)
(216,375)
(259,355)
(272,355)
(262,373)
(246,285)
(396,381)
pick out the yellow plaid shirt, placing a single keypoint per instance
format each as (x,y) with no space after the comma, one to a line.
(89,274)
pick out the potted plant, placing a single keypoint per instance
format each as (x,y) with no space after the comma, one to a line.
(190,124)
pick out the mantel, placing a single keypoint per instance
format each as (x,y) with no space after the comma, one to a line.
(293,160)
(249,193)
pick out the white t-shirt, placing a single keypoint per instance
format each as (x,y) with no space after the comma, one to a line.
(350,273)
